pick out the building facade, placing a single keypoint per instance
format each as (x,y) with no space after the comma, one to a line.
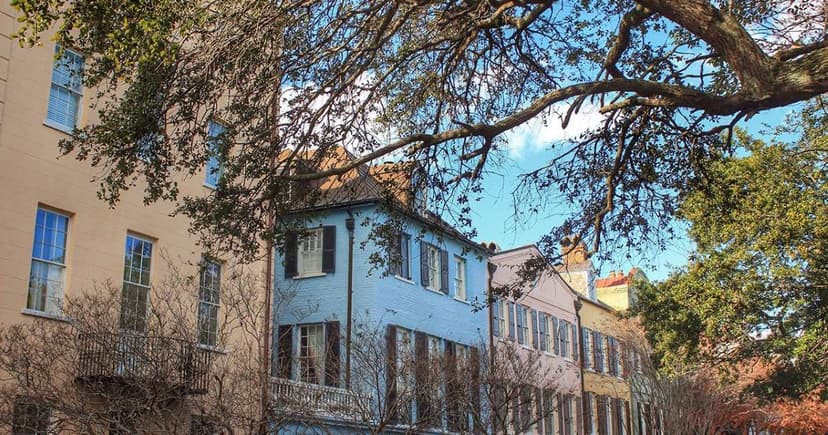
(542,322)
(395,277)
(59,240)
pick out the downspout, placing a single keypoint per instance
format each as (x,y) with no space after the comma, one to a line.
(349,225)
(492,269)
(577,304)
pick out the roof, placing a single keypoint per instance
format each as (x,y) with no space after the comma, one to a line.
(618,278)
(387,183)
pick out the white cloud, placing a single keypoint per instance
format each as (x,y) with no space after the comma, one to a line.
(546,129)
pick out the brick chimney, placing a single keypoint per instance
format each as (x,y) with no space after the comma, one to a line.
(576,254)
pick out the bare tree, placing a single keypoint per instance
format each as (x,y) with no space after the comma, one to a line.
(687,400)
(170,366)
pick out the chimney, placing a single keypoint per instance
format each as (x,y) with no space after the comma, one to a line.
(573,254)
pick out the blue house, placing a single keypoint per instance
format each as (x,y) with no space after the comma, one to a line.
(370,271)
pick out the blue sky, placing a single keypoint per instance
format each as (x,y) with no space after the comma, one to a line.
(493,215)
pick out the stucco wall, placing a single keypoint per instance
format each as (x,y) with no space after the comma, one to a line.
(382,299)
(550,295)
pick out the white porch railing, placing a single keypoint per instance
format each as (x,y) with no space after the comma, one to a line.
(314,400)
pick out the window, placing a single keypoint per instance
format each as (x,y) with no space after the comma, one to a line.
(433,264)
(402,261)
(460,278)
(48,269)
(30,418)
(598,348)
(545,339)
(310,252)
(213,170)
(566,411)
(548,412)
(209,299)
(311,353)
(522,326)
(66,92)
(564,337)
(587,346)
(498,317)
(135,296)
(619,361)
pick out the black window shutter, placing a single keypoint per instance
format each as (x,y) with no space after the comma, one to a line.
(587,398)
(559,398)
(579,417)
(474,388)
(328,249)
(391,371)
(332,354)
(405,265)
(291,248)
(421,369)
(575,349)
(596,350)
(285,350)
(424,264)
(452,388)
(511,307)
(444,271)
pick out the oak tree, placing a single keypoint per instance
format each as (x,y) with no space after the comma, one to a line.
(441,83)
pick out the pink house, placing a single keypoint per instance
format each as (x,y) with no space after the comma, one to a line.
(541,323)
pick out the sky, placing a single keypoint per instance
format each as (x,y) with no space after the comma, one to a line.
(493,217)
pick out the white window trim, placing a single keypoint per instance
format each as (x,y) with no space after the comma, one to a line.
(317,233)
(460,278)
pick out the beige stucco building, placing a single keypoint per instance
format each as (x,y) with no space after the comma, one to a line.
(58,239)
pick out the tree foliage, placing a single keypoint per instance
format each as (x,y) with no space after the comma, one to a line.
(755,290)
(437,82)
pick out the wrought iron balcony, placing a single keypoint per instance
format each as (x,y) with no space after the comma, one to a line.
(143,362)
(312,400)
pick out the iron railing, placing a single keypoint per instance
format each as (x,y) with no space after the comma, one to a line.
(132,357)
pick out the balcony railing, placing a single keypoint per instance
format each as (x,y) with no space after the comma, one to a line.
(312,400)
(151,361)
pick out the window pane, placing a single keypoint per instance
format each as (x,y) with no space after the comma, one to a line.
(66,89)
(135,293)
(46,275)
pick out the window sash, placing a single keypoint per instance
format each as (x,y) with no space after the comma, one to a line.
(312,354)
(434,269)
(310,252)
(209,302)
(135,293)
(48,264)
(213,169)
(460,278)
(521,324)
(66,89)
